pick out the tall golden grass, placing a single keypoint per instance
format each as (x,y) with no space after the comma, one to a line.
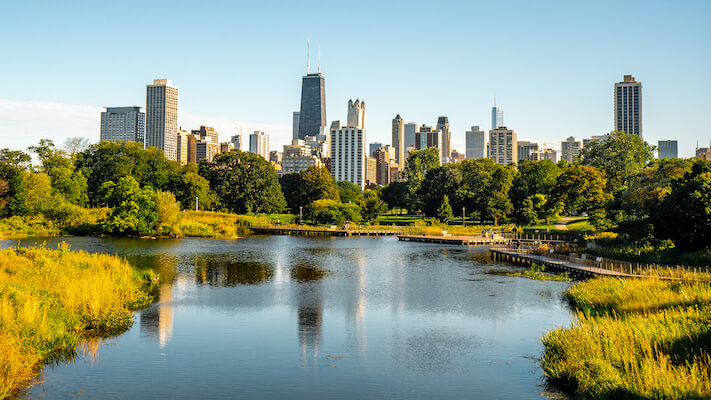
(50,299)
(638,339)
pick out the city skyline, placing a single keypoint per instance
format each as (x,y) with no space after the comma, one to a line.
(265,95)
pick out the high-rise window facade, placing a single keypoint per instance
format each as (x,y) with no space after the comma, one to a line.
(398,140)
(312,116)
(668,149)
(123,124)
(503,147)
(476,143)
(628,106)
(162,117)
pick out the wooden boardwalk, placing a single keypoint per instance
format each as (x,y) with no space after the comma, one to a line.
(320,232)
(559,262)
(460,240)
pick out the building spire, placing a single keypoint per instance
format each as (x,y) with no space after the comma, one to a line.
(319,58)
(494,100)
(308,45)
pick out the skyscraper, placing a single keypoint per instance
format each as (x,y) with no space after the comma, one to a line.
(497,117)
(236,142)
(430,138)
(259,144)
(373,147)
(398,140)
(527,151)
(356,114)
(443,127)
(628,106)
(162,117)
(668,149)
(295,125)
(569,149)
(348,156)
(127,124)
(503,146)
(312,117)
(411,131)
(476,143)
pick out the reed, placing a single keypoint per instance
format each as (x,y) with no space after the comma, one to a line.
(51,299)
(637,339)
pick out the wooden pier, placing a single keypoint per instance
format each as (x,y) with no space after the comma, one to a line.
(460,240)
(320,232)
(560,262)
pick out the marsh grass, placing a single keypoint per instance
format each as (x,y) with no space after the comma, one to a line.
(536,272)
(51,299)
(635,338)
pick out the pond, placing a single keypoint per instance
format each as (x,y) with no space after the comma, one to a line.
(303,317)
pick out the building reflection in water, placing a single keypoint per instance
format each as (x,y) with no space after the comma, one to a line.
(157,321)
(217,271)
(310,308)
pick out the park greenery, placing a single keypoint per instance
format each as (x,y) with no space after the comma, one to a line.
(52,299)
(616,184)
(634,339)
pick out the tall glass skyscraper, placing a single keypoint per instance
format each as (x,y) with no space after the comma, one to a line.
(443,126)
(497,117)
(312,117)
(125,124)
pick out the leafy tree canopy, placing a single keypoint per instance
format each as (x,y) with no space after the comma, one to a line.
(620,156)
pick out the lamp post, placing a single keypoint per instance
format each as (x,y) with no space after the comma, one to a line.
(196,203)
(464,221)
(301,210)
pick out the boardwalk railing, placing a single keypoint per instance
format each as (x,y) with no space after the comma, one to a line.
(615,266)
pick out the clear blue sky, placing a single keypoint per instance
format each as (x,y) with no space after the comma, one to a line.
(552,65)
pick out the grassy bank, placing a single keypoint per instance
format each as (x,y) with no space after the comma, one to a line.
(50,299)
(536,272)
(634,339)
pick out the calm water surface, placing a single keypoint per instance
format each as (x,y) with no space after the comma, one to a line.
(295,317)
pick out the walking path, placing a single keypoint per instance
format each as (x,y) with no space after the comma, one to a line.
(562,224)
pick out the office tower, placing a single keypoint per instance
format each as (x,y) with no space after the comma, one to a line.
(547,154)
(237,142)
(275,157)
(497,117)
(371,171)
(411,131)
(443,127)
(295,125)
(205,149)
(398,140)
(457,157)
(569,149)
(356,114)
(503,147)
(320,145)
(312,117)
(347,157)
(527,151)
(226,146)
(123,124)
(668,149)
(385,160)
(207,133)
(297,157)
(594,138)
(428,137)
(373,147)
(181,149)
(628,106)
(704,153)
(259,144)
(475,142)
(162,117)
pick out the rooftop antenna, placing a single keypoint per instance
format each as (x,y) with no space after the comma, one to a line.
(319,58)
(494,100)
(308,45)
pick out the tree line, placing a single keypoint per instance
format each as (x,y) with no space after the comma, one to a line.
(617,183)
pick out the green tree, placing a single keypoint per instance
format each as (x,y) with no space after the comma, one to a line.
(189,186)
(244,182)
(349,192)
(168,213)
(59,166)
(485,188)
(684,215)
(302,188)
(534,177)
(328,211)
(444,213)
(13,164)
(439,182)
(581,189)
(134,211)
(416,167)
(395,195)
(620,156)
(372,206)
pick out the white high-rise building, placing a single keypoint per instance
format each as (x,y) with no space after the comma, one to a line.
(503,146)
(569,149)
(259,144)
(356,114)
(628,106)
(123,124)
(162,117)
(398,140)
(476,143)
